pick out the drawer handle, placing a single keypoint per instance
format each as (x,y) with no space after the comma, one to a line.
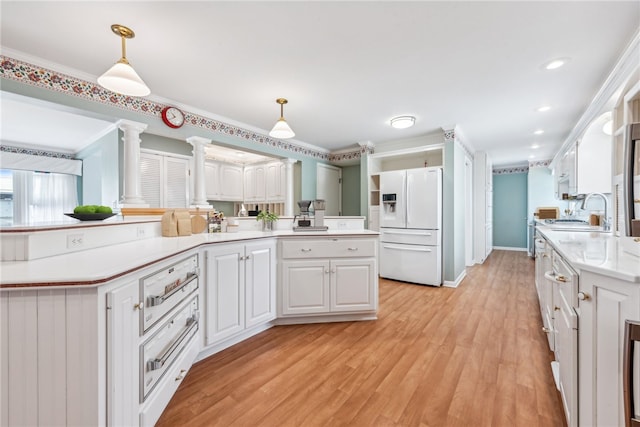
(154,300)
(305,250)
(353,249)
(181,375)
(153,364)
(138,306)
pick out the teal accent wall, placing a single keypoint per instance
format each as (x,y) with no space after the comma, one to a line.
(225,207)
(351,190)
(510,210)
(309,179)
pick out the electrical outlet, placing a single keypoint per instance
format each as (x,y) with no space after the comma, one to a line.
(141,232)
(342,225)
(75,241)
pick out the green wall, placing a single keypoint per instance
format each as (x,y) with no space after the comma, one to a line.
(453,230)
(351,190)
(510,210)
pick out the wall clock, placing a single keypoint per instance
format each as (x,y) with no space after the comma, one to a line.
(172,117)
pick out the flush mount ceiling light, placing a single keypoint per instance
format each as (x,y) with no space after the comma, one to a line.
(122,78)
(281,129)
(556,63)
(403,122)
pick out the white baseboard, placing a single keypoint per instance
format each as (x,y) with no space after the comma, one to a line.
(508,248)
(455,283)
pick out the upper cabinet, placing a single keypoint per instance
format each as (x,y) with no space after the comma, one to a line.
(265,183)
(585,166)
(223,181)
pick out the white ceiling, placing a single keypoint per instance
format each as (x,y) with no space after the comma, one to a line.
(347,68)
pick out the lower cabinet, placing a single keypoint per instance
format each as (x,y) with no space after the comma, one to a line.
(240,288)
(328,276)
(607,303)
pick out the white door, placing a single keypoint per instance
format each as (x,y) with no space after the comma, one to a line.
(329,188)
(392,199)
(260,282)
(225,292)
(424,198)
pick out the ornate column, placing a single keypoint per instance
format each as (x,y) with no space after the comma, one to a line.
(199,190)
(132,191)
(288,198)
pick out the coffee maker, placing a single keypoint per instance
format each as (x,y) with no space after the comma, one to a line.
(304,223)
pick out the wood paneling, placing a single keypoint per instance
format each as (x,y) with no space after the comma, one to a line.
(470,356)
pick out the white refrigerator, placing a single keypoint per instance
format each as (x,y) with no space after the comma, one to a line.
(411,225)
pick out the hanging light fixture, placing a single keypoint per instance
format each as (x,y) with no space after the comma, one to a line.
(281,129)
(403,122)
(122,78)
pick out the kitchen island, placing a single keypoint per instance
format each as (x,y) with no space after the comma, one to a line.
(588,286)
(113,330)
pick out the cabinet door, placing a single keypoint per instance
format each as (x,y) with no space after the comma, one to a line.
(260,184)
(123,323)
(353,285)
(225,292)
(260,280)
(305,287)
(212,180)
(249,184)
(601,344)
(273,192)
(231,178)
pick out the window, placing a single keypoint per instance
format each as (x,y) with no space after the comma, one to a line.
(28,197)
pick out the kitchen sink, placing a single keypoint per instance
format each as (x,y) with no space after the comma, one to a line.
(564,221)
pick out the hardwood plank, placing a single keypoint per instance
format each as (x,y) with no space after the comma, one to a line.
(474,355)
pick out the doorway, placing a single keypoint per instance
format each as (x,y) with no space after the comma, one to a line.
(329,188)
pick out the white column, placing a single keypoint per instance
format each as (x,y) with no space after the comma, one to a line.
(288,198)
(132,192)
(199,191)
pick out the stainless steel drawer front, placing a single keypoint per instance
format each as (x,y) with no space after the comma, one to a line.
(166,344)
(165,289)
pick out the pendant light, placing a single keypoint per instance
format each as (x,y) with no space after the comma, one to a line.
(122,78)
(281,130)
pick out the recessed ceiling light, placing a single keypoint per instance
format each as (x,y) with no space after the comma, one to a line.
(403,122)
(531,156)
(538,132)
(543,108)
(556,63)
(535,146)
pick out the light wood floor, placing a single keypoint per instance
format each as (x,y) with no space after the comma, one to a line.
(471,356)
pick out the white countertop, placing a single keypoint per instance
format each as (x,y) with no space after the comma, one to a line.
(596,252)
(97,266)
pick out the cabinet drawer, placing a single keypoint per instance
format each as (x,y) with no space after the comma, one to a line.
(328,248)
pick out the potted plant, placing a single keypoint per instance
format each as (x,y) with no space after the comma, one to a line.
(267,218)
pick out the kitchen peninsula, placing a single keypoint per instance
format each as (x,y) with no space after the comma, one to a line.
(113,330)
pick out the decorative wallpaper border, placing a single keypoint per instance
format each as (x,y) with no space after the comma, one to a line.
(511,170)
(33,75)
(36,152)
(540,163)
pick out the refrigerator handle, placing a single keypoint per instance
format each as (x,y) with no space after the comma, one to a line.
(408,204)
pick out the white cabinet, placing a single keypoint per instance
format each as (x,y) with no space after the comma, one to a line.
(584,167)
(276,182)
(600,347)
(212,180)
(254,183)
(223,181)
(374,218)
(240,288)
(123,332)
(231,179)
(483,200)
(328,276)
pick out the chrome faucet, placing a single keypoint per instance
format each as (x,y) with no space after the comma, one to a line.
(606,225)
